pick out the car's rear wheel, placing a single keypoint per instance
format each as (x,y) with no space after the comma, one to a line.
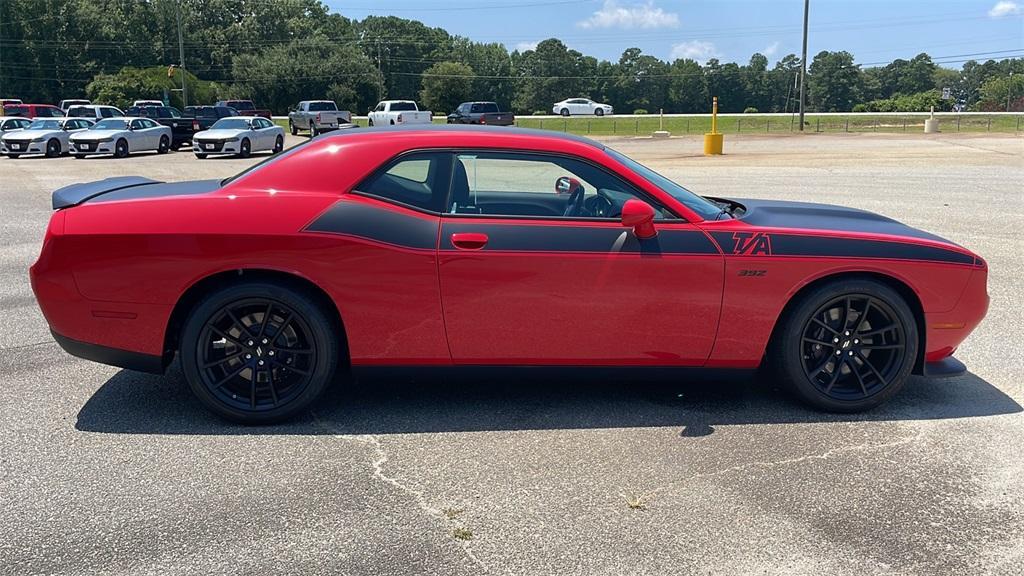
(278,145)
(245,149)
(847,346)
(165,145)
(259,353)
(121,149)
(52,148)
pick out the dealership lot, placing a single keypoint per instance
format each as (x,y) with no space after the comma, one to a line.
(105,471)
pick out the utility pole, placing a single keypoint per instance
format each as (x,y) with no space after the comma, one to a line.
(1009,90)
(181,57)
(803,67)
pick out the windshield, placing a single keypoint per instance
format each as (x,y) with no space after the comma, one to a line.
(230,124)
(692,201)
(322,106)
(402,106)
(109,125)
(44,125)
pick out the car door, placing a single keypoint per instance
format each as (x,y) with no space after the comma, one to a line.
(267,134)
(138,139)
(521,283)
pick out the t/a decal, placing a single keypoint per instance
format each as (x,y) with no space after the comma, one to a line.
(752,244)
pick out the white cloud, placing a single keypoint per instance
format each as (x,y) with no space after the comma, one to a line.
(1004,8)
(698,50)
(646,15)
(771,49)
(524,46)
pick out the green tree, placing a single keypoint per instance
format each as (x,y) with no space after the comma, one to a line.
(129,84)
(404,49)
(1000,90)
(446,85)
(687,88)
(548,74)
(835,82)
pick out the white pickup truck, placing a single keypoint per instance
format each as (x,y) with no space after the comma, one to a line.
(399,112)
(317,116)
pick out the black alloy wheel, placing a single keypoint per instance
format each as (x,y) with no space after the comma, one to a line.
(245,149)
(848,346)
(565,112)
(165,145)
(121,149)
(598,112)
(52,148)
(258,353)
(278,145)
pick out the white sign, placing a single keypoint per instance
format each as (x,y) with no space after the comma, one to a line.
(946,95)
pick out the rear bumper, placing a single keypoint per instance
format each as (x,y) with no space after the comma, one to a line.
(112,356)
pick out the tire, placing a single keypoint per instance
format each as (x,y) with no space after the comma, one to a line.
(201,156)
(79,156)
(312,130)
(369,123)
(164,147)
(121,149)
(53,148)
(841,326)
(219,363)
(278,145)
(564,112)
(392,122)
(598,112)
(292,128)
(13,156)
(245,148)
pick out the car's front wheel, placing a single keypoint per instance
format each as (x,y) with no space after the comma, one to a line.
(201,156)
(292,128)
(598,112)
(121,149)
(53,148)
(259,353)
(245,149)
(847,346)
(565,112)
(13,156)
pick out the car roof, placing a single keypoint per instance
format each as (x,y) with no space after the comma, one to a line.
(384,132)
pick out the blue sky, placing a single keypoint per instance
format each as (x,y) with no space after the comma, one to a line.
(731,30)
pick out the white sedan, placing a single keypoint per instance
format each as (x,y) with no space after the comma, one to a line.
(238,135)
(121,137)
(48,136)
(581,106)
(13,124)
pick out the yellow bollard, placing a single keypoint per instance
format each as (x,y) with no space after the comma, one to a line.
(714,140)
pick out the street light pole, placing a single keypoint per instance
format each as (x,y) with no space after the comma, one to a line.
(803,67)
(181,57)
(1009,90)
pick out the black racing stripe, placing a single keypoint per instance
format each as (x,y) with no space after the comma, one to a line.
(355,218)
(571,238)
(189,188)
(799,245)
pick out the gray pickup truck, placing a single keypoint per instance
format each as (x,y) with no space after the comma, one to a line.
(317,116)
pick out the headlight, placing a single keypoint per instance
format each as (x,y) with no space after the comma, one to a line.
(39,139)
(235,139)
(105,140)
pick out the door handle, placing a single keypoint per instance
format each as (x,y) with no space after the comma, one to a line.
(469,240)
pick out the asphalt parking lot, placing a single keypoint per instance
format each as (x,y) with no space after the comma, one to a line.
(106,471)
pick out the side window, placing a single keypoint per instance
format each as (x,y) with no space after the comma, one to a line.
(419,180)
(538,186)
(137,124)
(379,108)
(107,112)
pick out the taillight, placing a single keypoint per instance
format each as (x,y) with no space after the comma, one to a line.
(318,118)
(483,120)
(195,125)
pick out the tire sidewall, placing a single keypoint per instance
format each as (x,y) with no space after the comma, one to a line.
(787,352)
(121,149)
(244,148)
(50,153)
(323,332)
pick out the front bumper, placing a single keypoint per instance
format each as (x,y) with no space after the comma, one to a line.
(87,148)
(22,148)
(216,147)
(111,356)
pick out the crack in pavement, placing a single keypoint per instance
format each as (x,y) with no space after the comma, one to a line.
(787,461)
(380,459)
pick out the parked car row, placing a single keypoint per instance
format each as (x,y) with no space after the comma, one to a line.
(121,136)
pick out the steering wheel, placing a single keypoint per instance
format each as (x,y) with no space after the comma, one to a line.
(574,207)
(602,205)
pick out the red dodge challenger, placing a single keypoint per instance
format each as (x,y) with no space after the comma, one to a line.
(474,246)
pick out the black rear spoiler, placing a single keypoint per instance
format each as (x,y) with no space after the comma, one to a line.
(75,194)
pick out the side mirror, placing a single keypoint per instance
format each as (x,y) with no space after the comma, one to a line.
(565,185)
(639,216)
